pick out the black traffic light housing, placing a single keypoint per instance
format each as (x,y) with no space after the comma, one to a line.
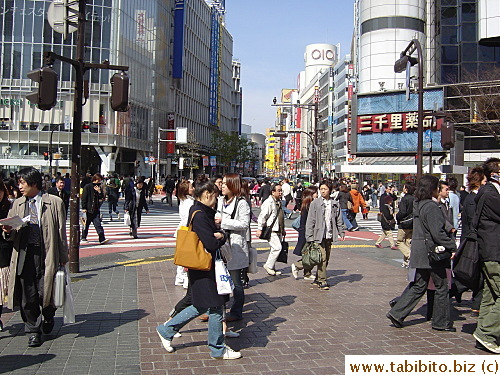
(119,92)
(447,135)
(46,155)
(137,163)
(46,96)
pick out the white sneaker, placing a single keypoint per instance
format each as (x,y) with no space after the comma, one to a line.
(295,271)
(178,334)
(166,343)
(277,273)
(230,334)
(229,354)
(270,271)
(310,278)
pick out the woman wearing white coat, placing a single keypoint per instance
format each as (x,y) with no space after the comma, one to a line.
(185,195)
(235,219)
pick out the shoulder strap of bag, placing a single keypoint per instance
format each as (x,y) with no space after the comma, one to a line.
(236,202)
(275,218)
(420,209)
(477,214)
(191,219)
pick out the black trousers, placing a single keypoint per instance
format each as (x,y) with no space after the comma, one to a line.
(31,281)
(415,291)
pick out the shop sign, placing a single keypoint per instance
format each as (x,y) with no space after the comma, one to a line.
(11,102)
(395,122)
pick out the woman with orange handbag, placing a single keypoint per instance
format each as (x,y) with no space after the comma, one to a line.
(204,295)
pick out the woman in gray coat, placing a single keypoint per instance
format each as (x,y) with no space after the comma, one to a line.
(235,220)
(428,235)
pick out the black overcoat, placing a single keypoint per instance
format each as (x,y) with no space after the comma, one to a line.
(203,287)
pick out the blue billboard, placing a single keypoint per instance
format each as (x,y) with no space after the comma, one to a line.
(386,123)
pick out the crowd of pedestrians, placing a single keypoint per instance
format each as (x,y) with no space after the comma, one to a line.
(428,216)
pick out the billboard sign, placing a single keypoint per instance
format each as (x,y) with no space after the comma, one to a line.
(387,123)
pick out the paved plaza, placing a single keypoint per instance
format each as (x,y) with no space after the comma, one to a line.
(289,326)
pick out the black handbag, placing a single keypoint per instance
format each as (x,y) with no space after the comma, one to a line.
(465,263)
(266,231)
(283,255)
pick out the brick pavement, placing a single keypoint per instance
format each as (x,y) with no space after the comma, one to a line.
(289,327)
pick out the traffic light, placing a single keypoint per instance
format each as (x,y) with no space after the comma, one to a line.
(46,96)
(46,155)
(447,135)
(119,92)
(137,163)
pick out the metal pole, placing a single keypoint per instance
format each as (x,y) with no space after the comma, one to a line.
(74,249)
(430,156)
(316,166)
(420,129)
(158,168)
(50,151)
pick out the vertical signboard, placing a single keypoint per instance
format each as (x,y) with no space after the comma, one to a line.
(140,19)
(178,39)
(215,55)
(170,133)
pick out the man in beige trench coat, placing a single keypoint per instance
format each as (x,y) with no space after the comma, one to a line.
(40,246)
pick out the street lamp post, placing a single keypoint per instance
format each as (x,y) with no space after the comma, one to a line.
(315,167)
(405,62)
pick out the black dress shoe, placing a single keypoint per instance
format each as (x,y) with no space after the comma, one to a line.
(393,301)
(34,340)
(1,326)
(48,326)
(448,329)
(395,322)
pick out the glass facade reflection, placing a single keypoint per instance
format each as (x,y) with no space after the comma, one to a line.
(123,32)
(462,58)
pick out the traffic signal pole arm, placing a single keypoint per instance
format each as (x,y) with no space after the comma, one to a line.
(50,57)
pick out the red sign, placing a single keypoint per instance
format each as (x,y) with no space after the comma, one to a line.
(170,134)
(395,122)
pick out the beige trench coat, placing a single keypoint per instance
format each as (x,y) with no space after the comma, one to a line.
(53,226)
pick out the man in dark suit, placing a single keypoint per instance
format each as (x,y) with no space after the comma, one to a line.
(60,192)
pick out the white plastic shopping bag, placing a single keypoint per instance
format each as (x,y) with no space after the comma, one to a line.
(252,260)
(69,308)
(126,219)
(224,281)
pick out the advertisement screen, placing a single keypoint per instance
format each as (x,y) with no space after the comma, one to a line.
(387,122)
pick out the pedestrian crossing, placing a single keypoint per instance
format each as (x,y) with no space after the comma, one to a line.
(158,228)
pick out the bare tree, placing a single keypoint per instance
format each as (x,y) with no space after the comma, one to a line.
(475,105)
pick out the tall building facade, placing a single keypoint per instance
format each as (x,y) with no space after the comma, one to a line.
(459,40)
(172,69)
(383,30)
(343,74)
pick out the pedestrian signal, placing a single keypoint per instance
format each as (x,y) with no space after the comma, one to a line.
(119,92)
(46,96)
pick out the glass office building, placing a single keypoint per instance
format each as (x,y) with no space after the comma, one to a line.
(137,34)
(124,35)
(462,57)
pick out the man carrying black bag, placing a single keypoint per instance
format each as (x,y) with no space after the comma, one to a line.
(487,332)
(271,227)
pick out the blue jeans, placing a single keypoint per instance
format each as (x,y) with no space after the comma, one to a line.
(374,200)
(238,295)
(286,211)
(215,335)
(345,217)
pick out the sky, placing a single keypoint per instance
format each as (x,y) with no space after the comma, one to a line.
(269,40)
